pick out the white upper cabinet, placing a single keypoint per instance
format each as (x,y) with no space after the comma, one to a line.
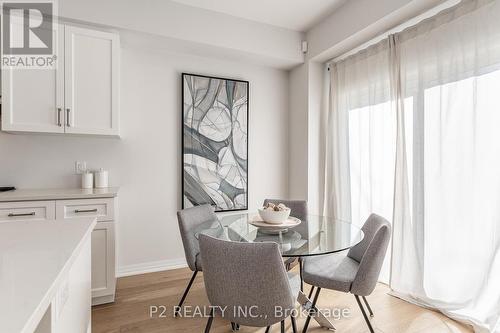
(91,81)
(81,96)
(33,99)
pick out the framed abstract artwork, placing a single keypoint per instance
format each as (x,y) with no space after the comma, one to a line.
(214,142)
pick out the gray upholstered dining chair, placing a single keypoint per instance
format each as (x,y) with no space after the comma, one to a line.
(190,220)
(298,209)
(249,281)
(357,272)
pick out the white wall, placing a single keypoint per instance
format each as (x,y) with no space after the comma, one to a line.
(317,93)
(269,44)
(298,134)
(146,162)
(306,135)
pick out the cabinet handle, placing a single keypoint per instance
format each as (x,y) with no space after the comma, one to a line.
(21,214)
(67,117)
(59,117)
(86,210)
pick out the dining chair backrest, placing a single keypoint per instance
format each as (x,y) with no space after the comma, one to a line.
(189,220)
(298,209)
(247,279)
(370,254)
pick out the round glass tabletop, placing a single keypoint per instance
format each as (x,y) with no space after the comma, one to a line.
(315,235)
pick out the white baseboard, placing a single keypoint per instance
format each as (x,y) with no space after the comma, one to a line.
(150,267)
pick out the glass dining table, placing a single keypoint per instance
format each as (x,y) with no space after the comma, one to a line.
(315,235)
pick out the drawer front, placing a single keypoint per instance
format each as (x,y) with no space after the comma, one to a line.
(102,209)
(27,211)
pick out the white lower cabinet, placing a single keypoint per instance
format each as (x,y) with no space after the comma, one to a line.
(103,242)
(103,235)
(103,263)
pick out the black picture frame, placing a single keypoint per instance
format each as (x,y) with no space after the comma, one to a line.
(247,83)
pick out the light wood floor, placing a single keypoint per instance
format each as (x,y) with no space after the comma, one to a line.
(135,295)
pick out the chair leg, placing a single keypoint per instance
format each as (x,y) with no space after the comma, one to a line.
(282,326)
(312,310)
(301,278)
(294,324)
(209,322)
(178,309)
(364,314)
(311,292)
(368,306)
(268,328)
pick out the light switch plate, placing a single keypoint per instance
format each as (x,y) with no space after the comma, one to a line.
(80,167)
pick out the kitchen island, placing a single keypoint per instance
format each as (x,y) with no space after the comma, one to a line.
(45,276)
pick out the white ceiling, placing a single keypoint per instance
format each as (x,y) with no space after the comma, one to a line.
(298,15)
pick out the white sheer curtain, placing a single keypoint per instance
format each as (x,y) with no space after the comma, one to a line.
(414,135)
(447,228)
(361,139)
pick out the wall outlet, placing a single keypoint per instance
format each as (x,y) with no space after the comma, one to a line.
(80,167)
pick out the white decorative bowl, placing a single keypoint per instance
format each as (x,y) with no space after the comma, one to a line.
(274,217)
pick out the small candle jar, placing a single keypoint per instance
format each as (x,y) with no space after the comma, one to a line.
(87,180)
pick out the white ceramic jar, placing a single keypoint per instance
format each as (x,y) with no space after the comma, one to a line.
(101,178)
(87,180)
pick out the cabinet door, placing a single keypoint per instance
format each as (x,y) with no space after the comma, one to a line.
(103,259)
(33,99)
(91,81)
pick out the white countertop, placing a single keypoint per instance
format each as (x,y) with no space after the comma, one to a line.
(58,194)
(34,255)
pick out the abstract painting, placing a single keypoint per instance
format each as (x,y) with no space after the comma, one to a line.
(214,142)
